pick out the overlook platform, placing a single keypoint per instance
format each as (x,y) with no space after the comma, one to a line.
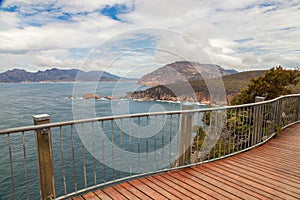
(270,171)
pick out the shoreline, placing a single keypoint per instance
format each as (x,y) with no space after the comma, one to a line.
(175,102)
(167,100)
(142,100)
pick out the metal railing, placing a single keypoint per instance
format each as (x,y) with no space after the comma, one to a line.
(69,158)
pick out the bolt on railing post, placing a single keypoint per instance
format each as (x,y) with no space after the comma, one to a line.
(45,163)
(185,136)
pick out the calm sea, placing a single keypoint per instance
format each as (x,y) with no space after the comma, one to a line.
(20,101)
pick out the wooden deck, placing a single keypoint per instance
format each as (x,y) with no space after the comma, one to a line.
(270,171)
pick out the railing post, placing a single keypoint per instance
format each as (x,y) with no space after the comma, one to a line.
(44,150)
(185,136)
(298,110)
(279,114)
(258,120)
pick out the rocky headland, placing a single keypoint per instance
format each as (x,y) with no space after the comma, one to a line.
(193,90)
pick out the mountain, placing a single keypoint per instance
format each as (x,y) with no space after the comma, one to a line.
(55,75)
(182,71)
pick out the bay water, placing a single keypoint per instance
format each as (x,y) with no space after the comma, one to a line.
(62,101)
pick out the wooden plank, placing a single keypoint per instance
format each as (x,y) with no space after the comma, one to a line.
(277,150)
(160,190)
(219,185)
(125,192)
(207,184)
(135,191)
(284,143)
(78,198)
(253,175)
(178,186)
(114,194)
(268,186)
(102,195)
(269,168)
(232,182)
(265,159)
(245,182)
(200,188)
(181,181)
(146,189)
(178,194)
(292,159)
(279,167)
(257,170)
(91,196)
(272,159)
(278,163)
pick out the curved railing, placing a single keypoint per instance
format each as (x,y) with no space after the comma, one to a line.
(69,158)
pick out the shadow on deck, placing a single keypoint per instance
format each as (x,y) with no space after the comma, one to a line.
(270,171)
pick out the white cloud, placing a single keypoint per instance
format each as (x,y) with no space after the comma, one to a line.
(223,45)
(234,34)
(34,61)
(249,59)
(8,20)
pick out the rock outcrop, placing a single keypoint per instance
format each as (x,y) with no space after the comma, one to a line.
(91,96)
(111,98)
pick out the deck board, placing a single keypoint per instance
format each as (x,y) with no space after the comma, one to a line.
(187,183)
(178,185)
(216,185)
(178,193)
(139,194)
(125,192)
(270,171)
(159,189)
(102,195)
(113,193)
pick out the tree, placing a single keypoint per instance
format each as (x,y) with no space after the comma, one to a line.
(274,83)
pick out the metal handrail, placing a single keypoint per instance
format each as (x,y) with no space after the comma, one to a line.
(80,121)
(158,140)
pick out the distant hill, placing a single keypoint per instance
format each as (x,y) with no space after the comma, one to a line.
(182,71)
(55,75)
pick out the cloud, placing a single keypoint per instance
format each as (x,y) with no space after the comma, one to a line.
(234,34)
(8,20)
(249,59)
(35,61)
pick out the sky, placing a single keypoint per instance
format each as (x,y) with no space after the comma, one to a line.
(134,37)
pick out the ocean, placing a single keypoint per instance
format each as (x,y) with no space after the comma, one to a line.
(63,102)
